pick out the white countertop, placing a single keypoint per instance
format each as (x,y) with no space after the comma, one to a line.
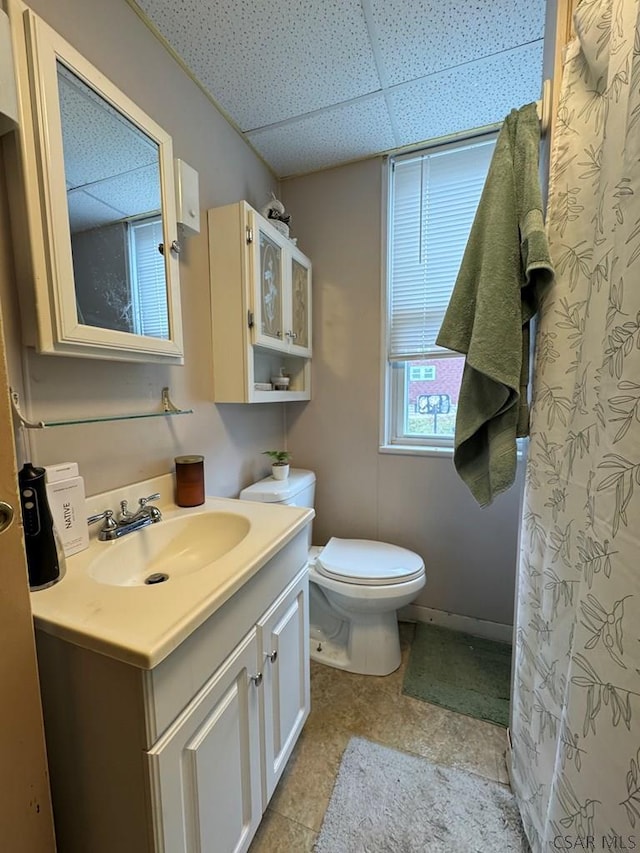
(142,624)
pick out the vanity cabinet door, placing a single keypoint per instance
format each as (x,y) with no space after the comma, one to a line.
(284,635)
(205,770)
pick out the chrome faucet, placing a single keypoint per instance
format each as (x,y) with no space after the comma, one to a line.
(127,521)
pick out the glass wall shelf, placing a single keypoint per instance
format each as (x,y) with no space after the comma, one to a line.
(168,410)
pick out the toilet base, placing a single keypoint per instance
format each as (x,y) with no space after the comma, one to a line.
(370,647)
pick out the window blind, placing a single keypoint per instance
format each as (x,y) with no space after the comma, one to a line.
(149,290)
(434,196)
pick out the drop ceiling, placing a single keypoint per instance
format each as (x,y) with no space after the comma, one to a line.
(111,167)
(314,83)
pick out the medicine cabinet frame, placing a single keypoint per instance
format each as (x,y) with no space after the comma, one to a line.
(48,307)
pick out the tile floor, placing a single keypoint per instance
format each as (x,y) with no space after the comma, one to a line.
(343,705)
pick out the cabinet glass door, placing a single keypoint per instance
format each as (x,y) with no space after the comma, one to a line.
(300,334)
(270,292)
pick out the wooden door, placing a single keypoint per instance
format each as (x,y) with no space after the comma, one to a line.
(26,824)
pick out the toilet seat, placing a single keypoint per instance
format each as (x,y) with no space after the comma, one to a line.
(367,562)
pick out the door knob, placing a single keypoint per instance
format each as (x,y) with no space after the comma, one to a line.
(6,515)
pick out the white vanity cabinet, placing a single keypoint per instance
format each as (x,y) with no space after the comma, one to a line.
(183,757)
(261,307)
(216,767)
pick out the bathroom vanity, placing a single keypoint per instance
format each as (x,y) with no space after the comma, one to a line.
(171,709)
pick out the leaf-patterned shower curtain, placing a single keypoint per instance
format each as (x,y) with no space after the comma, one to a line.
(576,692)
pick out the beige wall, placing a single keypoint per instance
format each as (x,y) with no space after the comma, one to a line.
(417,502)
(117,42)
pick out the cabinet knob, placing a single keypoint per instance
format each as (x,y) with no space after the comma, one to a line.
(293,336)
(273,656)
(175,247)
(257,679)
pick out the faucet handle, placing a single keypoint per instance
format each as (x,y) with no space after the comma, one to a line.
(109,521)
(144,501)
(153,511)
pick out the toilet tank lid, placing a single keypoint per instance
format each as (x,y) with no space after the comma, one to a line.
(269,490)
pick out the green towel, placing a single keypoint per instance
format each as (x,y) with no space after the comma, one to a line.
(505,268)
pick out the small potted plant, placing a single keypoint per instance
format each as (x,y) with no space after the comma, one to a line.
(279,463)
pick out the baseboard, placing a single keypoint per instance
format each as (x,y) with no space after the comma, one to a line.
(466,624)
(507,758)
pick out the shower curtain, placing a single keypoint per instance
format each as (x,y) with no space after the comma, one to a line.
(576,691)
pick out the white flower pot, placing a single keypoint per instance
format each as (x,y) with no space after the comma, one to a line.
(279,472)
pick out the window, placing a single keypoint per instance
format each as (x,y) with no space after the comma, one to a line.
(148,279)
(433,197)
(422,373)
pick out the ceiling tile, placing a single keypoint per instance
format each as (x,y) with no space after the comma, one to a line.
(340,134)
(470,96)
(417,37)
(98,141)
(266,62)
(87,212)
(134,193)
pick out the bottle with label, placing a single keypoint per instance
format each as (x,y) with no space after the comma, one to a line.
(45,557)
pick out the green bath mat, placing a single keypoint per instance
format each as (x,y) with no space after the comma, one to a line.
(460,672)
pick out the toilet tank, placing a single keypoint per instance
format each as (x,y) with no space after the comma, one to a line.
(297,490)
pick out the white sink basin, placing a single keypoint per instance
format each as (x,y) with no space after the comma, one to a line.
(168,549)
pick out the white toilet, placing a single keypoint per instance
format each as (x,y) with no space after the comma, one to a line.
(356,587)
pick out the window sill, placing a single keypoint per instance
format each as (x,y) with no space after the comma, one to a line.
(438,450)
(417,450)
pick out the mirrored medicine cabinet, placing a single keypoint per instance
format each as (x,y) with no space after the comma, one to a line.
(96,176)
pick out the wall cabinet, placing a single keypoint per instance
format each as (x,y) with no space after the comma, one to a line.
(261,307)
(85,232)
(138,769)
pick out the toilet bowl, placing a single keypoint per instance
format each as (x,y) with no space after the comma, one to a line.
(364,583)
(356,587)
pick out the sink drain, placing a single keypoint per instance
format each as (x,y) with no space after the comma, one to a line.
(157,577)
